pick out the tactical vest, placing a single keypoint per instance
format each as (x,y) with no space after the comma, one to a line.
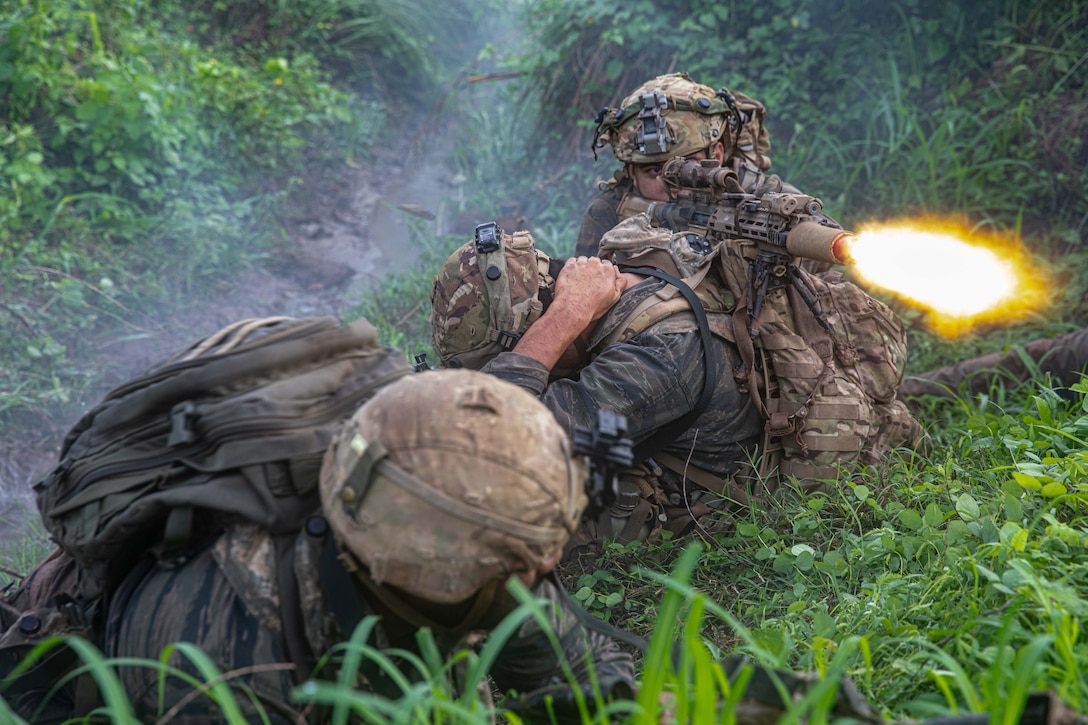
(827,394)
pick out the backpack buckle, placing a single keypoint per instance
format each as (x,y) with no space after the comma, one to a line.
(507,340)
(780,424)
(181,424)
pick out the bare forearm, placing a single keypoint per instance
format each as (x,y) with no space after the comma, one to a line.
(550,336)
(584,291)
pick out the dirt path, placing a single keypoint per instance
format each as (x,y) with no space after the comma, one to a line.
(342,245)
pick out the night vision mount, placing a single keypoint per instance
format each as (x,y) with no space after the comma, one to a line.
(609,452)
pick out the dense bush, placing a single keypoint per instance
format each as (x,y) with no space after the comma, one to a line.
(399,47)
(882,109)
(134,162)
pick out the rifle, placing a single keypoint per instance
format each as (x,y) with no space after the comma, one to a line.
(609,451)
(708,199)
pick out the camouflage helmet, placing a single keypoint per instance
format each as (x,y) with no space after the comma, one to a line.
(667,117)
(448,480)
(486,295)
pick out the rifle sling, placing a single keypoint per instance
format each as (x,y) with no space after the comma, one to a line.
(722,486)
(711,369)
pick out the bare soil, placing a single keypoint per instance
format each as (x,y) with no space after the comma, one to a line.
(345,237)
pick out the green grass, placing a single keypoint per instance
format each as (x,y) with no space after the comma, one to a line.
(952,583)
(19,556)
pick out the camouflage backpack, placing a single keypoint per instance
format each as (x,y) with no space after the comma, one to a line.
(827,394)
(234,427)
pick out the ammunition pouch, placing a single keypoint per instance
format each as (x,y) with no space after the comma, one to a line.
(636,515)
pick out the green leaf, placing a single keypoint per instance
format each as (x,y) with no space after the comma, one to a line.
(748,530)
(804,561)
(1053,490)
(1029,482)
(967,507)
(1014,510)
(911,519)
(861,492)
(934,516)
(1019,540)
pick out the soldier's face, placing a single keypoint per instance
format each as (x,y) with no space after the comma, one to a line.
(647,177)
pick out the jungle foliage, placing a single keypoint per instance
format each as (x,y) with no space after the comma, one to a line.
(972,107)
(148,146)
(148,149)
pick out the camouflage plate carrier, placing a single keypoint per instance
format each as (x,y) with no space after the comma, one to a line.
(827,393)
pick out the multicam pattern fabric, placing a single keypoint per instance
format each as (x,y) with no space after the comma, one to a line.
(694,117)
(204,602)
(464,296)
(634,243)
(492,475)
(828,395)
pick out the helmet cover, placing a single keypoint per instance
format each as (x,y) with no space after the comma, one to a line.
(666,117)
(482,302)
(449,479)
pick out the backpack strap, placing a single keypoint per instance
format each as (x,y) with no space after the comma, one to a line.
(726,487)
(294,636)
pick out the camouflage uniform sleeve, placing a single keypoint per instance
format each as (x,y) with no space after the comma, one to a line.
(653,379)
(644,383)
(600,217)
(530,663)
(521,370)
(1063,357)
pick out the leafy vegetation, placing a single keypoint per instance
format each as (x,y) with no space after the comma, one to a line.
(958,574)
(136,164)
(972,111)
(146,147)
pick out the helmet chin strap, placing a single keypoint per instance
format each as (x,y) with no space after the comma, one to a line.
(403,609)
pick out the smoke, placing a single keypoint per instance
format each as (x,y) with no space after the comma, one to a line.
(346,234)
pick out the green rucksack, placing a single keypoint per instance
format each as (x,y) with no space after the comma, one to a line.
(234,427)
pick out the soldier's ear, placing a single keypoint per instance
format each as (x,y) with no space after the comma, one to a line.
(717,151)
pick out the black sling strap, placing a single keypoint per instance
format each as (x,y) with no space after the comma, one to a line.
(711,368)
